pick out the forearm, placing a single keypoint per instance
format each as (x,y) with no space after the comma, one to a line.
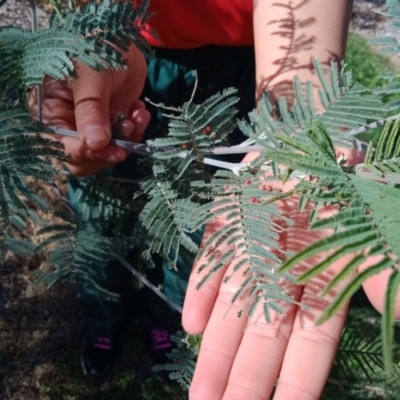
(289,35)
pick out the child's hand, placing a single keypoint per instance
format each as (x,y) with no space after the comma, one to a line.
(88,104)
(238,362)
(241,358)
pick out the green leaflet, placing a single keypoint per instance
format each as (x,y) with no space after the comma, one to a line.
(103,200)
(364,223)
(388,320)
(385,159)
(359,358)
(389,44)
(183,358)
(29,56)
(349,248)
(381,200)
(101,23)
(345,106)
(351,288)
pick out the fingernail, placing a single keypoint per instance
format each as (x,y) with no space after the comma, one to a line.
(127,127)
(94,134)
(137,114)
(120,156)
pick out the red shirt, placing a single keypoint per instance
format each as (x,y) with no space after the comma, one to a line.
(182,24)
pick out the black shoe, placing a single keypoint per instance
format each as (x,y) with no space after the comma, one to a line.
(98,351)
(160,345)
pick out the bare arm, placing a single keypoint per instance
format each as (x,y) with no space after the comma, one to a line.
(289,35)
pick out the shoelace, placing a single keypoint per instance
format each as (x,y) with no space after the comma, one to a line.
(160,338)
(103,343)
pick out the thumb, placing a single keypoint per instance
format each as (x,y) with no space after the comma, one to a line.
(91,100)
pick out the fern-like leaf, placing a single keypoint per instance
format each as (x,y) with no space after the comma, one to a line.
(249,237)
(77,254)
(360,355)
(389,44)
(118,23)
(168,217)
(105,201)
(344,107)
(183,363)
(198,128)
(21,155)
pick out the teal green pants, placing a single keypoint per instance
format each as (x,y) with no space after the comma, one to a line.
(170,81)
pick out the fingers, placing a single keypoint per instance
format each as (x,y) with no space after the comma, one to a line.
(199,303)
(140,118)
(91,94)
(238,362)
(221,339)
(308,359)
(86,161)
(87,104)
(231,364)
(97,96)
(206,310)
(259,357)
(239,358)
(311,349)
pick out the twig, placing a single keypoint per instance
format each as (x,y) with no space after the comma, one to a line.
(156,290)
(39,87)
(137,148)
(243,148)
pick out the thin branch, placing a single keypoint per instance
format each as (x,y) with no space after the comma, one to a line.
(39,87)
(144,149)
(156,290)
(196,82)
(243,148)
(137,148)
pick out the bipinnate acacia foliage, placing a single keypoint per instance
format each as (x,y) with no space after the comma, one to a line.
(180,194)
